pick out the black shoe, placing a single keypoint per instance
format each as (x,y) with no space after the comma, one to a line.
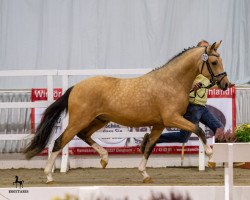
(144,142)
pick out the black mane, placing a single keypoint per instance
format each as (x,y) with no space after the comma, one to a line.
(173,58)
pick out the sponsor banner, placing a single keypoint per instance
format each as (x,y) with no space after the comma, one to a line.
(130,150)
(220,103)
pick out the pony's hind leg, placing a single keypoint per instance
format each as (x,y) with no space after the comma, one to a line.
(85,135)
(154,136)
(69,133)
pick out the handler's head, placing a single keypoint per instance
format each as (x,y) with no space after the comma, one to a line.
(203,43)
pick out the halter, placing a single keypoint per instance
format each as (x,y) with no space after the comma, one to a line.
(205,60)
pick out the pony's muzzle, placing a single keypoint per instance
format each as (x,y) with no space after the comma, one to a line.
(223,87)
(223,83)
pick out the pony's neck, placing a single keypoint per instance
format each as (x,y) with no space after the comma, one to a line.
(183,69)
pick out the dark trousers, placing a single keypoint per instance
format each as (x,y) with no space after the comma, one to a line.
(195,114)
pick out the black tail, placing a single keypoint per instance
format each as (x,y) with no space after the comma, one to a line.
(46,126)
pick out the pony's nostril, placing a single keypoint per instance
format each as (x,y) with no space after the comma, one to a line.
(225,87)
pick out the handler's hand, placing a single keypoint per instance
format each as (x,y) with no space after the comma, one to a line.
(197,86)
(231,85)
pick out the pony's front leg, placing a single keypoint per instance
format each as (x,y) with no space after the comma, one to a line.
(201,134)
(183,124)
(154,136)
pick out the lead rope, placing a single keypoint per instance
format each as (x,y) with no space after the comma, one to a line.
(196,94)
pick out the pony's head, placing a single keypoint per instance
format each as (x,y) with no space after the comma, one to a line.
(212,66)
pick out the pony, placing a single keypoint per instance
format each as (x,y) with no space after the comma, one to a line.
(158,99)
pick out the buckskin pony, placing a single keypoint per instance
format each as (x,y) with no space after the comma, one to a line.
(158,99)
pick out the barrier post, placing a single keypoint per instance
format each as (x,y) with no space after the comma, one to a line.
(50,94)
(229,153)
(201,152)
(65,151)
(201,156)
(182,153)
(50,88)
(228,178)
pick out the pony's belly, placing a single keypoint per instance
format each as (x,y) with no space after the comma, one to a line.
(133,122)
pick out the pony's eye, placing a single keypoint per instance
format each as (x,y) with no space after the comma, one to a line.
(215,62)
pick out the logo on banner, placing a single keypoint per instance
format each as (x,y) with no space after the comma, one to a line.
(113,128)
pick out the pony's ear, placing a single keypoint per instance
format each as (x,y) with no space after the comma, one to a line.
(217,45)
(214,46)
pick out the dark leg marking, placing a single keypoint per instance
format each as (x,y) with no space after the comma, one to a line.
(58,144)
(148,152)
(201,134)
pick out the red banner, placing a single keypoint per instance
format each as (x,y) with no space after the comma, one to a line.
(40,94)
(218,93)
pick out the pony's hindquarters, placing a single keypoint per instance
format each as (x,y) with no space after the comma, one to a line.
(82,111)
(46,126)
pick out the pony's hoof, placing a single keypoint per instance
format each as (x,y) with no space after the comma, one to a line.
(50,181)
(148,180)
(211,165)
(49,178)
(103,163)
